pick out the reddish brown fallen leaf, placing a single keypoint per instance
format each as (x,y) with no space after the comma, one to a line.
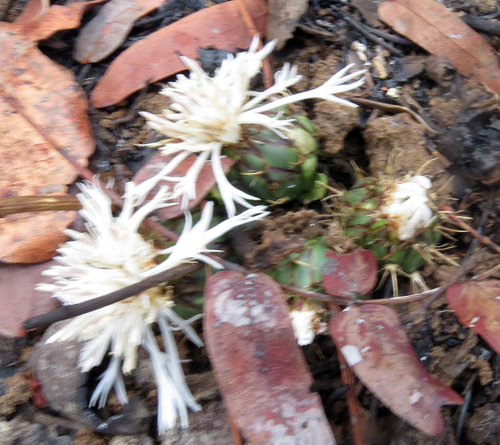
(38,100)
(374,344)
(350,275)
(441,32)
(261,371)
(204,183)
(477,306)
(18,298)
(42,21)
(157,56)
(109,28)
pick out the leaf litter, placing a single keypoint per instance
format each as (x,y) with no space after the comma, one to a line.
(157,56)
(441,32)
(41,104)
(457,384)
(375,345)
(109,28)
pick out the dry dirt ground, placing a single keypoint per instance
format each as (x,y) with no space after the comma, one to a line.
(455,110)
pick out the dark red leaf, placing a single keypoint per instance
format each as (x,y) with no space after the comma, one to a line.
(350,275)
(261,371)
(477,306)
(157,56)
(375,345)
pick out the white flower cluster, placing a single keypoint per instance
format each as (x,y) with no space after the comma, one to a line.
(405,206)
(113,255)
(209,112)
(206,113)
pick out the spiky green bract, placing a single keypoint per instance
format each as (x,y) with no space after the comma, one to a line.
(364,220)
(276,168)
(303,270)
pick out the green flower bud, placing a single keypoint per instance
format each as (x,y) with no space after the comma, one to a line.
(277,169)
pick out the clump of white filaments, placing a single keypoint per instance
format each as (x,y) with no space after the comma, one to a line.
(406,206)
(209,112)
(113,255)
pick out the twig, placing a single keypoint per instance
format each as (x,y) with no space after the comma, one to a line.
(346,301)
(465,406)
(486,274)
(480,228)
(478,236)
(22,204)
(73,310)
(400,300)
(266,66)
(361,28)
(317,296)
(235,432)
(463,225)
(464,269)
(368,103)
(392,38)
(352,400)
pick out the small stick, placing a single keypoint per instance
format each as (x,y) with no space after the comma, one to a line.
(368,103)
(360,27)
(352,400)
(487,274)
(235,432)
(347,301)
(38,203)
(73,310)
(266,67)
(463,225)
(465,407)
(464,269)
(317,296)
(386,36)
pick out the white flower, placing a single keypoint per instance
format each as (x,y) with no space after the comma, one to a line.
(303,325)
(405,206)
(113,255)
(209,112)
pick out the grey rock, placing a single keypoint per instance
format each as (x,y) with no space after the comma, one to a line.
(209,426)
(19,431)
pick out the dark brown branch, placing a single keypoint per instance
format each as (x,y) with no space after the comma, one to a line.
(69,311)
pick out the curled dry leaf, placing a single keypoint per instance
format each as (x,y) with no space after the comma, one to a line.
(350,275)
(284,16)
(261,371)
(40,105)
(375,345)
(204,184)
(157,56)
(109,28)
(40,20)
(477,306)
(441,32)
